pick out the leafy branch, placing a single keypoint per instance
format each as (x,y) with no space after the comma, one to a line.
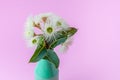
(46,51)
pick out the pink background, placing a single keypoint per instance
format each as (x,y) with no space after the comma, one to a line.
(95,54)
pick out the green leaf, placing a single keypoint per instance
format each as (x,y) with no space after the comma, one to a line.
(40,51)
(52,57)
(71,31)
(62,37)
(57,42)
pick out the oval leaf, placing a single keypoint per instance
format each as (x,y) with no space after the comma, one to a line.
(52,57)
(71,31)
(57,42)
(39,52)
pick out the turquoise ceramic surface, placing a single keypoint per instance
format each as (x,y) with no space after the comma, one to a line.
(45,70)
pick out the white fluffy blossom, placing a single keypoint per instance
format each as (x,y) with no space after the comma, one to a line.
(37,19)
(59,22)
(33,41)
(52,25)
(29,28)
(66,44)
(50,31)
(48,24)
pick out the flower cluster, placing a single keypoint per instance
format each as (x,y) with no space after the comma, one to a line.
(53,30)
(48,24)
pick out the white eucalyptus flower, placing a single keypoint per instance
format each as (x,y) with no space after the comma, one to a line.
(59,22)
(50,31)
(66,44)
(63,49)
(43,17)
(29,28)
(48,23)
(37,19)
(33,41)
(52,25)
(29,33)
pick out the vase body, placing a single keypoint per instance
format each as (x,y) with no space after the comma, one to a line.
(46,70)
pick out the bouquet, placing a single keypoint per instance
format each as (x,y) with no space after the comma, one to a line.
(52,31)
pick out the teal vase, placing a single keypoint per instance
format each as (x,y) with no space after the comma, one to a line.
(46,70)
